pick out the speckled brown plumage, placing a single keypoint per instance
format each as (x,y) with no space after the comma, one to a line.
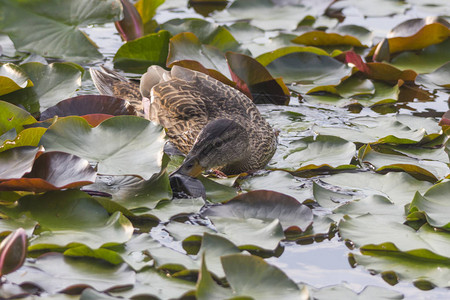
(184,101)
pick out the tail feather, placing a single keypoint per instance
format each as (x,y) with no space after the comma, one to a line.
(155,74)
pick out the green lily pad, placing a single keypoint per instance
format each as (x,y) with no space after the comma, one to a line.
(55,273)
(436,79)
(422,169)
(268,57)
(12,116)
(265,205)
(53,171)
(52,83)
(208,33)
(137,55)
(27,137)
(311,153)
(321,38)
(425,243)
(155,285)
(14,163)
(217,192)
(308,70)
(147,10)
(399,129)
(240,271)
(424,61)
(70,218)
(399,188)
(434,205)
(134,193)
(343,292)
(166,210)
(13,78)
(278,181)
(56,26)
(114,145)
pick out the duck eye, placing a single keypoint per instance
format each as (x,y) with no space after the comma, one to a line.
(217,144)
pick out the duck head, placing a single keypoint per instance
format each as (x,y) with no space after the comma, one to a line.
(221,142)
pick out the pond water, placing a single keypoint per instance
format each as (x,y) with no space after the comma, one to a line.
(320,263)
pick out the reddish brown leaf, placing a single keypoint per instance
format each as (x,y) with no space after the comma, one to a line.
(386,72)
(13,250)
(95,119)
(445,121)
(130,27)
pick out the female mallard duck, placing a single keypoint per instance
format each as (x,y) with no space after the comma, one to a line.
(215,125)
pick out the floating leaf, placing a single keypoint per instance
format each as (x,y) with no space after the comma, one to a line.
(52,83)
(167,210)
(89,104)
(136,56)
(13,250)
(70,218)
(12,116)
(265,205)
(53,171)
(14,163)
(343,292)
(268,57)
(27,137)
(436,79)
(114,145)
(434,204)
(13,78)
(320,38)
(147,10)
(55,273)
(56,24)
(130,27)
(312,153)
(370,8)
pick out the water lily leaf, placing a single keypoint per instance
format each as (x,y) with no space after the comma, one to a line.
(244,32)
(114,145)
(311,153)
(428,35)
(70,218)
(8,225)
(372,9)
(12,116)
(56,26)
(134,193)
(434,205)
(343,292)
(308,70)
(131,26)
(89,104)
(14,163)
(53,171)
(13,78)
(106,255)
(425,243)
(27,137)
(270,283)
(399,129)
(136,56)
(278,181)
(399,188)
(182,231)
(155,285)
(147,10)
(186,50)
(387,72)
(355,86)
(423,61)
(207,288)
(217,192)
(167,210)
(265,14)
(208,33)
(268,57)
(13,250)
(55,273)
(265,205)
(402,266)
(321,38)
(436,79)
(52,83)
(254,79)
(421,169)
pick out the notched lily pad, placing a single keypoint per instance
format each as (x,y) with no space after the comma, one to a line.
(53,171)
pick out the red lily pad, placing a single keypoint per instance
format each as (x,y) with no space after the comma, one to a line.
(89,104)
(13,250)
(53,171)
(130,27)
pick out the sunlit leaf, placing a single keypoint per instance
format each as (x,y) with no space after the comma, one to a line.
(147,10)
(13,78)
(114,145)
(12,116)
(55,23)
(136,56)
(27,137)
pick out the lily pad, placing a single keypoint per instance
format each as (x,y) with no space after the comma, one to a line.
(265,205)
(130,27)
(12,116)
(370,8)
(27,137)
(114,145)
(53,171)
(70,218)
(13,78)
(343,292)
(434,205)
(52,83)
(436,79)
(89,104)
(147,10)
(136,56)
(14,163)
(55,273)
(56,26)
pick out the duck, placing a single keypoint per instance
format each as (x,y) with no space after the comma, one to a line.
(215,126)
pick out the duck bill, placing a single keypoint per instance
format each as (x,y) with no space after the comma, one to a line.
(190,167)
(195,170)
